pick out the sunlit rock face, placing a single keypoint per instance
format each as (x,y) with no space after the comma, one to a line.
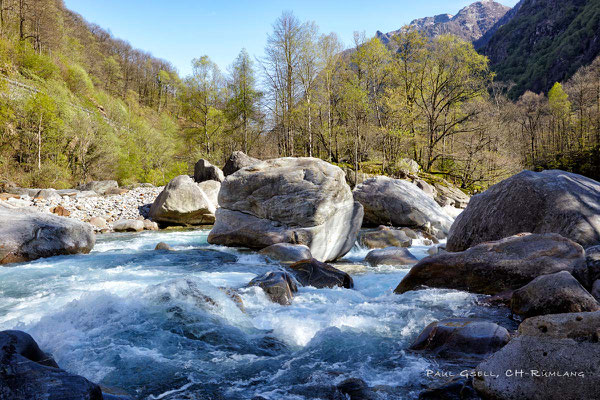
(537,202)
(288,200)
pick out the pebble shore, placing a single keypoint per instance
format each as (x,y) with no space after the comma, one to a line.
(133,204)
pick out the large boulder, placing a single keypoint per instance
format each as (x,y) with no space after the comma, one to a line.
(205,171)
(288,200)
(554,357)
(237,161)
(320,275)
(100,187)
(500,266)
(286,252)
(278,285)
(390,256)
(552,294)
(385,237)
(461,336)
(28,235)
(27,373)
(537,202)
(448,195)
(592,258)
(185,202)
(397,202)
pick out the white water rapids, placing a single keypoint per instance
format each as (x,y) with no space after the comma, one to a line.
(130,317)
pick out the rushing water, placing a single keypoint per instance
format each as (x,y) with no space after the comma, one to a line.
(130,317)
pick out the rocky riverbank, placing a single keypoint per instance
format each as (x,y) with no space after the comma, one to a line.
(102,211)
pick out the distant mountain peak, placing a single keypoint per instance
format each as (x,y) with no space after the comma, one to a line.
(470,23)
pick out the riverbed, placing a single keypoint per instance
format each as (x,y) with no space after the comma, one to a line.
(158,325)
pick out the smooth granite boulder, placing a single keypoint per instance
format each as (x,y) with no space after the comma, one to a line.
(496,267)
(385,237)
(100,187)
(558,355)
(320,275)
(288,200)
(28,235)
(278,285)
(27,373)
(237,161)
(398,202)
(128,225)
(461,336)
(286,252)
(390,256)
(185,202)
(552,294)
(537,202)
(205,171)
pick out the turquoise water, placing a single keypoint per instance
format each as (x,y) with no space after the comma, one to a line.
(130,317)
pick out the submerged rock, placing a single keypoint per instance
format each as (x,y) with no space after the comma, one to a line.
(384,237)
(495,267)
(205,171)
(459,388)
(320,275)
(26,235)
(356,389)
(391,256)
(237,161)
(288,200)
(461,336)
(558,353)
(278,285)
(27,373)
(397,202)
(552,294)
(163,246)
(286,252)
(185,202)
(538,202)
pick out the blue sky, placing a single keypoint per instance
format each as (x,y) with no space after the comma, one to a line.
(180,30)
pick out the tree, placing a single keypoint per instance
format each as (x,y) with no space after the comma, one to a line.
(243,106)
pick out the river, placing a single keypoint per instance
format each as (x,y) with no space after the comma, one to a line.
(129,317)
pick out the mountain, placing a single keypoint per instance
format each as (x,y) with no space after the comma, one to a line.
(482,41)
(470,24)
(544,42)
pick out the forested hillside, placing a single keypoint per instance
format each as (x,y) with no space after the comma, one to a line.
(78,104)
(545,42)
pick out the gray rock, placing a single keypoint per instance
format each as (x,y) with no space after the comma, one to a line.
(558,354)
(278,285)
(237,161)
(448,195)
(128,225)
(27,373)
(185,202)
(458,388)
(150,225)
(426,187)
(320,275)
(98,222)
(552,294)
(538,202)
(288,200)
(496,267)
(23,191)
(596,290)
(48,194)
(356,389)
(27,235)
(384,237)
(100,187)
(592,258)
(286,252)
(205,171)
(390,256)
(461,336)
(408,166)
(397,202)
(163,246)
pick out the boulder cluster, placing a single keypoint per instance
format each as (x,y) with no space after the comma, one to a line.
(531,242)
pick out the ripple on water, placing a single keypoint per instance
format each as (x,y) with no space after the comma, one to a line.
(156,324)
